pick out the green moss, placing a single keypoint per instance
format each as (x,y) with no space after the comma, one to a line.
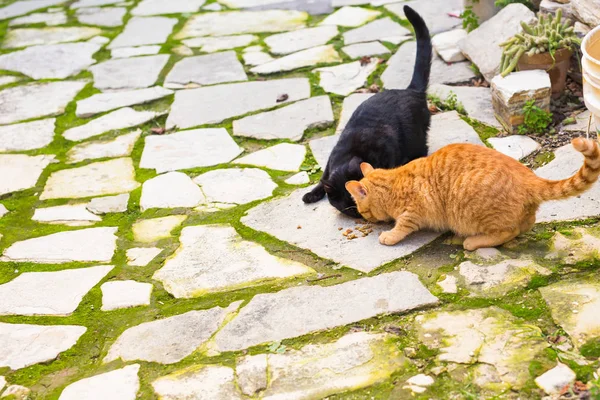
(484,131)
(542,159)
(591,349)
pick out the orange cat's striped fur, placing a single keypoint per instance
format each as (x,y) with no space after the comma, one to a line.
(476,192)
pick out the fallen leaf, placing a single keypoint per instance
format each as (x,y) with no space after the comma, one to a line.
(365,60)
(282,97)
(158,130)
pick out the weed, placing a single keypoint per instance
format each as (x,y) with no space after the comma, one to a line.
(470,21)
(504,3)
(449,104)
(536,120)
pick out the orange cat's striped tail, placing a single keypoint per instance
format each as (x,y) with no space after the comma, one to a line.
(578,183)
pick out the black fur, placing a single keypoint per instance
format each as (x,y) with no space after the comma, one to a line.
(387,130)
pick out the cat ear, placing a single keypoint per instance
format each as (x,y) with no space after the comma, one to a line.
(366,168)
(356,189)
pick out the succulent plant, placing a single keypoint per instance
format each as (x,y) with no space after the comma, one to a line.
(548,35)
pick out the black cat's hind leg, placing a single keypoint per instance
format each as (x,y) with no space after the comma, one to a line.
(314,195)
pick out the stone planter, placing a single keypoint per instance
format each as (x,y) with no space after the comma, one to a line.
(484,9)
(557,68)
(590,63)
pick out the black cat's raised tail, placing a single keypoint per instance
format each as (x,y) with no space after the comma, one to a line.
(420,78)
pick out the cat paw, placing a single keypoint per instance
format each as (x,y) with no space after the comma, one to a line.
(388,238)
(311,197)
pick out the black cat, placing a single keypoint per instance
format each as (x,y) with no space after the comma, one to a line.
(387,130)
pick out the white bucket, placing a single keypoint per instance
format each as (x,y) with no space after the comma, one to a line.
(590,64)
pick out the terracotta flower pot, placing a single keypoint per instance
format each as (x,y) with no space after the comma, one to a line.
(556,68)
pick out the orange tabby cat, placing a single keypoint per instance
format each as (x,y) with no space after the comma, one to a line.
(476,192)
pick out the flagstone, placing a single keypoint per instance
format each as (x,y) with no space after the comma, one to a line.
(36,100)
(24,345)
(20,172)
(303,58)
(189,149)
(109,204)
(107,16)
(581,123)
(57,61)
(103,102)
(121,146)
(70,214)
(51,293)
(125,294)
(199,382)
(254,58)
(169,340)
(291,42)
(317,308)
(435,13)
(27,136)
(301,178)
(2,383)
(216,103)
(8,79)
(126,52)
(446,45)
(102,40)
(321,148)
(448,128)
(477,101)
(170,190)
(3,210)
(142,256)
(207,69)
(382,28)
(182,51)
(235,185)
(157,7)
(213,7)
(350,104)
(515,146)
(50,19)
(117,120)
(366,49)
(16,392)
(151,230)
(23,37)
(144,30)
(120,384)
(24,7)
(281,157)
(212,44)
(129,73)
(351,17)
(289,122)
(346,78)
(93,3)
(235,22)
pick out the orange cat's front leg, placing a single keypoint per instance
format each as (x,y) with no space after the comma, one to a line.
(405,225)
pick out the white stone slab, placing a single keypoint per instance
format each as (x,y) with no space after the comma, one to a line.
(448,128)
(581,123)
(171,339)
(254,58)
(351,17)
(151,230)
(189,149)
(365,49)
(212,44)
(320,234)
(446,45)
(321,148)
(8,79)
(102,40)
(207,69)
(57,61)
(235,22)
(516,146)
(301,178)
(350,104)
(50,293)
(235,185)
(171,190)
(142,256)
(291,42)
(303,58)
(213,7)
(23,37)
(121,146)
(125,294)
(477,101)
(103,102)
(19,172)
(3,210)
(27,136)
(267,317)
(553,381)
(109,204)
(281,157)
(515,85)
(379,29)
(71,214)
(199,382)
(24,345)
(129,73)
(126,52)
(141,31)
(213,258)
(93,3)
(435,13)
(157,7)
(120,119)
(216,103)
(346,78)
(288,122)
(50,19)
(120,384)
(566,163)
(23,7)
(101,178)
(107,16)
(36,100)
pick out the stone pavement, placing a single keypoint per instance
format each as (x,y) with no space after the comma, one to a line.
(153,243)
